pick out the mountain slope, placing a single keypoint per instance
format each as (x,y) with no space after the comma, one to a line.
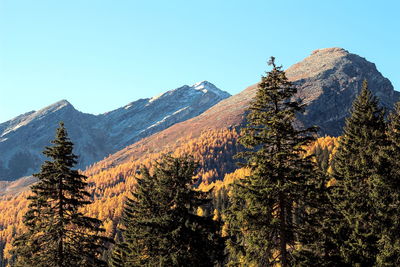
(144,117)
(328,81)
(23,138)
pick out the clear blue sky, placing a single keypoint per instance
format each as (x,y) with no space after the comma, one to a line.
(100,55)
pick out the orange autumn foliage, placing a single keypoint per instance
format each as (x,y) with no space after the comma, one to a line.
(110,183)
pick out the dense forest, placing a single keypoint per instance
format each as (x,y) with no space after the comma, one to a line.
(267,194)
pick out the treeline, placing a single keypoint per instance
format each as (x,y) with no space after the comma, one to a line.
(296,201)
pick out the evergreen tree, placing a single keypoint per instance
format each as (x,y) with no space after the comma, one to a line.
(161,227)
(58,234)
(386,195)
(261,218)
(317,236)
(357,164)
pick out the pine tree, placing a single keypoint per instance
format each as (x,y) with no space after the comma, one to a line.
(386,195)
(317,235)
(357,163)
(58,234)
(160,225)
(263,206)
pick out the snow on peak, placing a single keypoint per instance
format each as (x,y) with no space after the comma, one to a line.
(58,105)
(203,86)
(206,86)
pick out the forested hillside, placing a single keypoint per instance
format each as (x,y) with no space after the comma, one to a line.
(110,186)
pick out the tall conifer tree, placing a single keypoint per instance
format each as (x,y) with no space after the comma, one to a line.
(261,216)
(161,227)
(386,195)
(58,234)
(357,164)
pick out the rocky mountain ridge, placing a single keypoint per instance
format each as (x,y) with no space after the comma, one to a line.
(95,136)
(328,81)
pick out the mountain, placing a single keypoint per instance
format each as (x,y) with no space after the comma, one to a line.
(328,81)
(23,138)
(144,117)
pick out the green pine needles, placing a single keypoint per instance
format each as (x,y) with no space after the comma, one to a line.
(367,192)
(262,216)
(58,234)
(160,225)
(357,164)
(386,195)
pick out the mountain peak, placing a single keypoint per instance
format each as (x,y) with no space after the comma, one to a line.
(330,50)
(321,61)
(328,81)
(203,87)
(203,84)
(23,120)
(58,105)
(206,86)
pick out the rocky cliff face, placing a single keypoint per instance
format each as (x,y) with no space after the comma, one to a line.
(329,80)
(23,138)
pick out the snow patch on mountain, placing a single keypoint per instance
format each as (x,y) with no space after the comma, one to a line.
(206,86)
(154,98)
(166,117)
